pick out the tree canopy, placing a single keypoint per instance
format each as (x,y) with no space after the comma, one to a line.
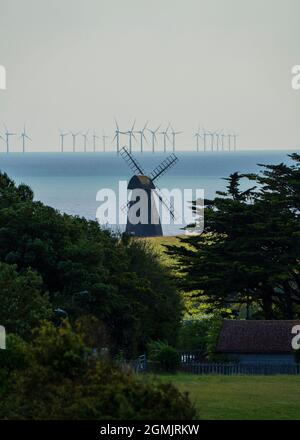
(51,261)
(248,254)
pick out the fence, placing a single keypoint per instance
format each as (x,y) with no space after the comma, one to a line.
(236,369)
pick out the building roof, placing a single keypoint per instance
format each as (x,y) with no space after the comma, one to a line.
(140,182)
(256,337)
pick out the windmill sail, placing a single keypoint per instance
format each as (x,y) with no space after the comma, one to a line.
(165,202)
(161,169)
(131,162)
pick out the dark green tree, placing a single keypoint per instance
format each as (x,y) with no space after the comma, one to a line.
(249,251)
(89,271)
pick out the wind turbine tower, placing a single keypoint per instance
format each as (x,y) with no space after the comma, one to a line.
(95,136)
(24,136)
(117,136)
(154,138)
(198,136)
(7,136)
(174,134)
(74,136)
(165,137)
(85,137)
(104,137)
(131,135)
(234,141)
(142,135)
(62,138)
(218,135)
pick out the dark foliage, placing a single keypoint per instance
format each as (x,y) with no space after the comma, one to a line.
(72,264)
(248,255)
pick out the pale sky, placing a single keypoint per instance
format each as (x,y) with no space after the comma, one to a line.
(226,64)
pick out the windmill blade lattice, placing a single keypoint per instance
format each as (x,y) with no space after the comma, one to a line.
(131,162)
(161,169)
(165,202)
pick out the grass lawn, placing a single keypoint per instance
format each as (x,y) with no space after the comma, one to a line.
(241,397)
(159,244)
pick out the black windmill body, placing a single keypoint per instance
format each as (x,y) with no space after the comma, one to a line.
(142,217)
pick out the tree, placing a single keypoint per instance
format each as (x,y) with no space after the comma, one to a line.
(249,252)
(59,380)
(23,304)
(89,271)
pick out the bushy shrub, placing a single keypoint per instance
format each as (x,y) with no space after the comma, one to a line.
(169,358)
(62,381)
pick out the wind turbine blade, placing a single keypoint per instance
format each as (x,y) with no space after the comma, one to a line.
(145,138)
(133,125)
(158,128)
(116,124)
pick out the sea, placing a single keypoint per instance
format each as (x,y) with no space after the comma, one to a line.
(70,182)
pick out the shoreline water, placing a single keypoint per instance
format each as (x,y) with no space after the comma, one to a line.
(70,182)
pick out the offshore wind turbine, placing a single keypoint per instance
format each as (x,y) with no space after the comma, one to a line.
(85,137)
(154,138)
(174,134)
(218,134)
(24,136)
(223,136)
(205,134)
(95,136)
(229,141)
(198,136)
(74,136)
(131,135)
(62,138)
(165,137)
(2,138)
(142,135)
(117,135)
(7,135)
(212,137)
(104,137)
(234,135)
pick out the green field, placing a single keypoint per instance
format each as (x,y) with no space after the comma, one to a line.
(241,397)
(159,244)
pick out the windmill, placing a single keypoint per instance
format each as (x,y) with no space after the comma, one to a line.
(6,140)
(154,138)
(24,136)
(74,136)
(174,134)
(62,138)
(131,135)
(104,137)
(95,136)
(85,137)
(142,215)
(117,135)
(165,137)
(142,135)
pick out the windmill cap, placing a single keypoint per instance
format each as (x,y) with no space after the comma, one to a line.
(141,182)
